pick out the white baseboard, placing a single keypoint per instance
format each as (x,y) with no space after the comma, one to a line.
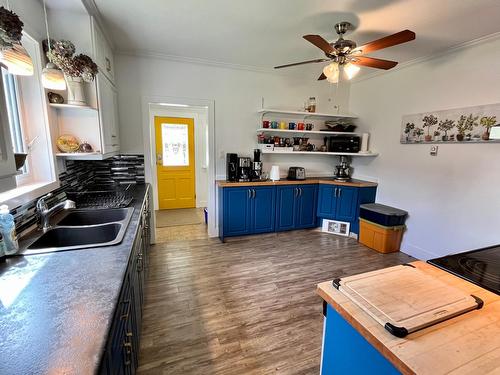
(418,252)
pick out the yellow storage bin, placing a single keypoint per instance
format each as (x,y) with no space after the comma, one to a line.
(380,238)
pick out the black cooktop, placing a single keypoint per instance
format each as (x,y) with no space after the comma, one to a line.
(481,267)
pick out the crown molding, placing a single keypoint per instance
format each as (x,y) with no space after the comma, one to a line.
(207,62)
(432,56)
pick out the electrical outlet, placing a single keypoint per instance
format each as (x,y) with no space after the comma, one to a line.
(434,150)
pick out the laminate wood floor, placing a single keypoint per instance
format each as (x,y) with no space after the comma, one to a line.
(247,306)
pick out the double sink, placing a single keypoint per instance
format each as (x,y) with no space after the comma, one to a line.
(82,229)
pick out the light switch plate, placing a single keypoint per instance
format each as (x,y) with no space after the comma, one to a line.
(434,150)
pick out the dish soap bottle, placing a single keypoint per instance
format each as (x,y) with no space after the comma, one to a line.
(8,230)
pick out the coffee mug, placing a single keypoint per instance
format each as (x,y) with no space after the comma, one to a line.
(300,126)
(309,126)
(274,125)
(292,125)
(265,124)
(283,125)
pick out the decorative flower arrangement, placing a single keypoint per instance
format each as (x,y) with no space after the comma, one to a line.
(429,121)
(488,122)
(80,66)
(445,126)
(465,124)
(11,28)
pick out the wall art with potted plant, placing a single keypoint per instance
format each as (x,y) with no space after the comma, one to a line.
(460,125)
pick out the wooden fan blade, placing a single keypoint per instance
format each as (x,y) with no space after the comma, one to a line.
(322,77)
(301,63)
(374,63)
(388,41)
(319,42)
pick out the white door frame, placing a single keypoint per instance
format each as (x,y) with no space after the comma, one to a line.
(148,133)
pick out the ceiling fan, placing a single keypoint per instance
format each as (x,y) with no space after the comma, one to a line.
(346,56)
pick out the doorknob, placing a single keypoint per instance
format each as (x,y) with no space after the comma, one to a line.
(159,159)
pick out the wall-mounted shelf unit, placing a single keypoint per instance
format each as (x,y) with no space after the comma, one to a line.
(371,154)
(81,155)
(72,106)
(304,132)
(305,115)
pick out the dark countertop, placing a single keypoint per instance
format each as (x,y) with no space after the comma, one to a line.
(56,309)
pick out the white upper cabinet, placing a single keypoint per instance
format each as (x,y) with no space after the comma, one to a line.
(108,115)
(103,54)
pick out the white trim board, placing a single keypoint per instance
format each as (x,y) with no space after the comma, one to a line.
(148,132)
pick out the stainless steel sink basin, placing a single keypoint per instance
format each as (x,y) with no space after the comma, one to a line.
(94,217)
(82,229)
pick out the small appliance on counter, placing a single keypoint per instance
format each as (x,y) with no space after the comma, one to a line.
(274,174)
(244,168)
(296,173)
(343,171)
(232,167)
(256,172)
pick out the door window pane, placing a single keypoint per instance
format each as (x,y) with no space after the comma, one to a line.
(175,145)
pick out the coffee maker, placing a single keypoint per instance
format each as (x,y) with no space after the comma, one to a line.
(244,168)
(343,171)
(256,172)
(232,167)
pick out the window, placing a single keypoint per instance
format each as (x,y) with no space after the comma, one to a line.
(11,91)
(27,125)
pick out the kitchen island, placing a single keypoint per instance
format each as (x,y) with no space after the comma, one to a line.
(466,344)
(58,309)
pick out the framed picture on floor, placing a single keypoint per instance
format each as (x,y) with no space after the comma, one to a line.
(336,227)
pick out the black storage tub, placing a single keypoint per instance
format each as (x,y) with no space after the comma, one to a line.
(382,214)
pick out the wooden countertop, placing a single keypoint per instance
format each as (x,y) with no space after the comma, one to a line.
(467,344)
(311,180)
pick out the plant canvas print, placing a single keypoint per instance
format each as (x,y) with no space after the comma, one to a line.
(461,125)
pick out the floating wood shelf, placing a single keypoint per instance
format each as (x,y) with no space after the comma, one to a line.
(319,153)
(72,106)
(325,132)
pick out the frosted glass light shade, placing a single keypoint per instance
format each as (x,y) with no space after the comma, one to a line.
(331,70)
(350,70)
(17,60)
(53,78)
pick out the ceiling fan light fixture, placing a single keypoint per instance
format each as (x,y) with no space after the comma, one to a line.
(53,78)
(331,70)
(350,70)
(17,60)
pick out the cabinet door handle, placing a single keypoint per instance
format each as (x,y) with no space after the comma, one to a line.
(335,194)
(254,193)
(249,193)
(296,192)
(300,192)
(340,192)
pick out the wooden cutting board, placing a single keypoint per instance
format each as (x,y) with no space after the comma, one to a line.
(404,299)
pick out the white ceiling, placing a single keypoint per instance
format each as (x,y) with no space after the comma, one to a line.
(265,33)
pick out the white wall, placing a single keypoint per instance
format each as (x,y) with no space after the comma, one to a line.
(237,94)
(200,116)
(452,198)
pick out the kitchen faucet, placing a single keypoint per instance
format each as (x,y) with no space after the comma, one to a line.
(45,212)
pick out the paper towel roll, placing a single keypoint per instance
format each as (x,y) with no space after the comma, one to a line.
(274,174)
(364,143)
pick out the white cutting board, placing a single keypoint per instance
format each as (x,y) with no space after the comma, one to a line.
(405,297)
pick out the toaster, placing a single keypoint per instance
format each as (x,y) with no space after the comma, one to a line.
(296,173)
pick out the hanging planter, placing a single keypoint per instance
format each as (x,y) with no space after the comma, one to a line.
(76,93)
(11,28)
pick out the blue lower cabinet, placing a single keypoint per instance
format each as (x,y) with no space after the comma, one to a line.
(236,211)
(263,203)
(247,210)
(346,351)
(347,203)
(327,201)
(306,207)
(296,207)
(338,202)
(286,207)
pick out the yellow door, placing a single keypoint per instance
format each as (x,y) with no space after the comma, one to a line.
(175,162)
